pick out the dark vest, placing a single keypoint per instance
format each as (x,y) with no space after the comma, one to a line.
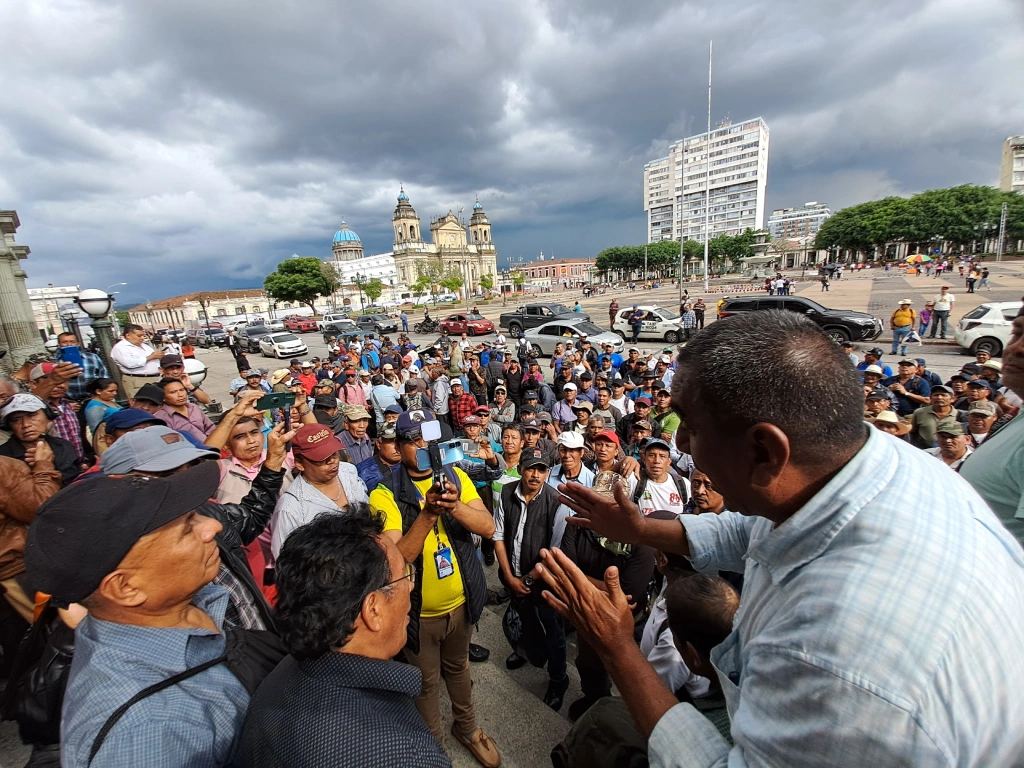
(540,522)
(472,572)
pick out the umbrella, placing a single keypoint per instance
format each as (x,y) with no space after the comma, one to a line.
(918,258)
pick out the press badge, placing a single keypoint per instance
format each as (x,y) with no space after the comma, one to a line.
(443,561)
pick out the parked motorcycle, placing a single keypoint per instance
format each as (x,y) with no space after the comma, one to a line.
(426,326)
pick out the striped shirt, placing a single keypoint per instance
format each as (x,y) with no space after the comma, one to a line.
(880,625)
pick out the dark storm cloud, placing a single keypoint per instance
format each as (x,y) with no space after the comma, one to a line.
(194,144)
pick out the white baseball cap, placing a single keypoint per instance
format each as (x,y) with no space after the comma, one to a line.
(571,439)
(570,385)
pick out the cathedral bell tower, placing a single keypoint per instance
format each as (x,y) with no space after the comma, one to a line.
(480,229)
(406,222)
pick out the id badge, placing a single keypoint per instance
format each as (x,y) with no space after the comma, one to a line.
(443,562)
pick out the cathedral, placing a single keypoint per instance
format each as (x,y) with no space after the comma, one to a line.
(474,256)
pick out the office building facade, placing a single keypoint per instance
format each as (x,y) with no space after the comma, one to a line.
(674,186)
(798,222)
(1011,170)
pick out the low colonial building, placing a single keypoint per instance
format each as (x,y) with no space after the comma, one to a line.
(547,273)
(191,310)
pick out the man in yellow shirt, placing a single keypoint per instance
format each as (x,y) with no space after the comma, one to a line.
(434,530)
(901,323)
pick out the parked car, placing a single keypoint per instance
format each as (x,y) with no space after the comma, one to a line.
(376,324)
(468,323)
(300,324)
(212,324)
(987,327)
(341,327)
(236,326)
(659,323)
(544,338)
(274,325)
(331,318)
(207,337)
(176,333)
(249,337)
(840,324)
(282,345)
(533,315)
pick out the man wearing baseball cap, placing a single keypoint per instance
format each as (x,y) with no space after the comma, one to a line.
(323,483)
(873,356)
(911,390)
(434,529)
(981,416)
(658,488)
(571,468)
(563,411)
(952,445)
(528,517)
(28,418)
(901,323)
(173,367)
(140,554)
(354,438)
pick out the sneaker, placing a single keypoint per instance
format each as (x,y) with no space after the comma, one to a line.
(555,693)
(481,746)
(478,653)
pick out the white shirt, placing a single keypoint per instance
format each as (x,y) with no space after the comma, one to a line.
(172,348)
(664,495)
(131,359)
(662,654)
(937,453)
(944,303)
(624,404)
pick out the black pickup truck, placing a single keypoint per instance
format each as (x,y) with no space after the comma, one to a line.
(532,315)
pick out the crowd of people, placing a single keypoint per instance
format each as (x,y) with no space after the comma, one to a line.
(752,538)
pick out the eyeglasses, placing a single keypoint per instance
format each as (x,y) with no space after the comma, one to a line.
(410,574)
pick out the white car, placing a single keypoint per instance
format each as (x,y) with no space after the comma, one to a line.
(659,323)
(275,325)
(329,319)
(543,338)
(281,345)
(987,327)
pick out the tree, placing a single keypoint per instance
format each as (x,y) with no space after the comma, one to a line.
(122,317)
(373,288)
(300,280)
(430,274)
(487,282)
(518,278)
(332,280)
(452,280)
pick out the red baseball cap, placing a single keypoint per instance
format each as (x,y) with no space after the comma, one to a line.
(608,435)
(315,442)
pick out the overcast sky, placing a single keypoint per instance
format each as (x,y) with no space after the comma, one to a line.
(193,144)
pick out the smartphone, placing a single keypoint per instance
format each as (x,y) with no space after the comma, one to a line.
(470,447)
(275,400)
(70,355)
(451,452)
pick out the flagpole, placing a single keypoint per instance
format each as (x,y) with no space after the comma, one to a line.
(707,177)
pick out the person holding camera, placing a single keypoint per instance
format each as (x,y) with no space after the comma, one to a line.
(432,514)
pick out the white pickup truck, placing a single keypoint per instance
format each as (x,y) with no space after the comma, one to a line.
(329,319)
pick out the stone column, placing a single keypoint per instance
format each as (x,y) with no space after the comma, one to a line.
(18,332)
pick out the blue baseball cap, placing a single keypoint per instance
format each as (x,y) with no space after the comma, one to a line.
(409,421)
(128,418)
(394,408)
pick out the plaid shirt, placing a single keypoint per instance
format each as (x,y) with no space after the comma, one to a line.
(689,319)
(93,368)
(461,408)
(66,426)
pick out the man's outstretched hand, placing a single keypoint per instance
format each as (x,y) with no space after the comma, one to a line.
(601,616)
(617,518)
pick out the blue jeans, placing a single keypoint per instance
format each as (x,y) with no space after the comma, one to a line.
(899,338)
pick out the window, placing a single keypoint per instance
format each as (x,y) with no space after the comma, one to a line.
(222,313)
(239,310)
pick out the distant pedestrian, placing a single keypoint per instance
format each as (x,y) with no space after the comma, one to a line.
(698,310)
(613,310)
(824,283)
(984,280)
(636,320)
(972,278)
(405,321)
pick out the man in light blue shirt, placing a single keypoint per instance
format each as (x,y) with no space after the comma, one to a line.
(883,602)
(134,552)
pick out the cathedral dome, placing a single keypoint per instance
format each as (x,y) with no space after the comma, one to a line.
(345,235)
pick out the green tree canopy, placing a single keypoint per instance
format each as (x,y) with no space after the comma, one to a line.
(954,215)
(300,280)
(373,288)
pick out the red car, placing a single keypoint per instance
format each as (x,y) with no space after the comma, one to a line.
(300,324)
(469,324)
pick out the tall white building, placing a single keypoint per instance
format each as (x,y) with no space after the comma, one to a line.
(674,186)
(1011,170)
(798,222)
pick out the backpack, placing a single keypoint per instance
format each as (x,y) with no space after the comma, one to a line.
(642,486)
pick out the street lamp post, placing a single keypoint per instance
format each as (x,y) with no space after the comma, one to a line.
(97,304)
